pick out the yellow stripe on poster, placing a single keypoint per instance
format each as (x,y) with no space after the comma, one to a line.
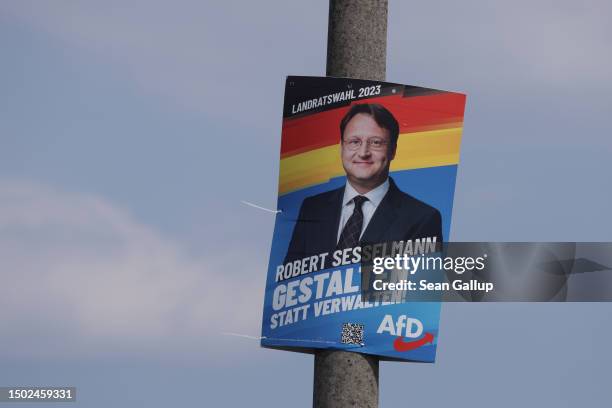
(427,149)
(414,151)
(313,167)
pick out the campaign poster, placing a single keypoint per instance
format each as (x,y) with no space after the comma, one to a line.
(361,162)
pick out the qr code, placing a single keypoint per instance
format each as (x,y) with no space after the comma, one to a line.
(352,333)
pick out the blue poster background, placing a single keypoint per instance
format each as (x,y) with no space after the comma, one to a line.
(435,186)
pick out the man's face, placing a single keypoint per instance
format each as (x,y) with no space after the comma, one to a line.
(366,152)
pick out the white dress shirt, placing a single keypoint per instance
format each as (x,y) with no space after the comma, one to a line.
(369,207)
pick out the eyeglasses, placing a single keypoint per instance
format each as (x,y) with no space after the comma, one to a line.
(374,143)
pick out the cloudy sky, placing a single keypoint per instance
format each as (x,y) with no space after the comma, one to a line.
(131,131)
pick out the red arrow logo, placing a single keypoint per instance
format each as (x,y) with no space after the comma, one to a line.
(400,345)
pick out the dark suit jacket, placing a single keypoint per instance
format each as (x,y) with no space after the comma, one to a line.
(399,217)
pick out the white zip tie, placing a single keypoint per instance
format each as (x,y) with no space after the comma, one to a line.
(309,340)
(261,208)
(246,336)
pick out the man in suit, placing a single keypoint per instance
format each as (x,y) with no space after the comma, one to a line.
(370,208)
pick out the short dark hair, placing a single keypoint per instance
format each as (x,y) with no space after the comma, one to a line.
(379,113)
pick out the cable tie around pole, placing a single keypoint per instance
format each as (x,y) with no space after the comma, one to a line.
(246,336)
(261,208)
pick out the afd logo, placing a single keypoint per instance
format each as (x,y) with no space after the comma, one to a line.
(405,326)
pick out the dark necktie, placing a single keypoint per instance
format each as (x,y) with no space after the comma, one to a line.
(349,238)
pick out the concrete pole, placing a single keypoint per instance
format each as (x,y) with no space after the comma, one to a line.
(356,48)
(357,39)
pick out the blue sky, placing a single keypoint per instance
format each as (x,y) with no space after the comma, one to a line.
(130,133)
